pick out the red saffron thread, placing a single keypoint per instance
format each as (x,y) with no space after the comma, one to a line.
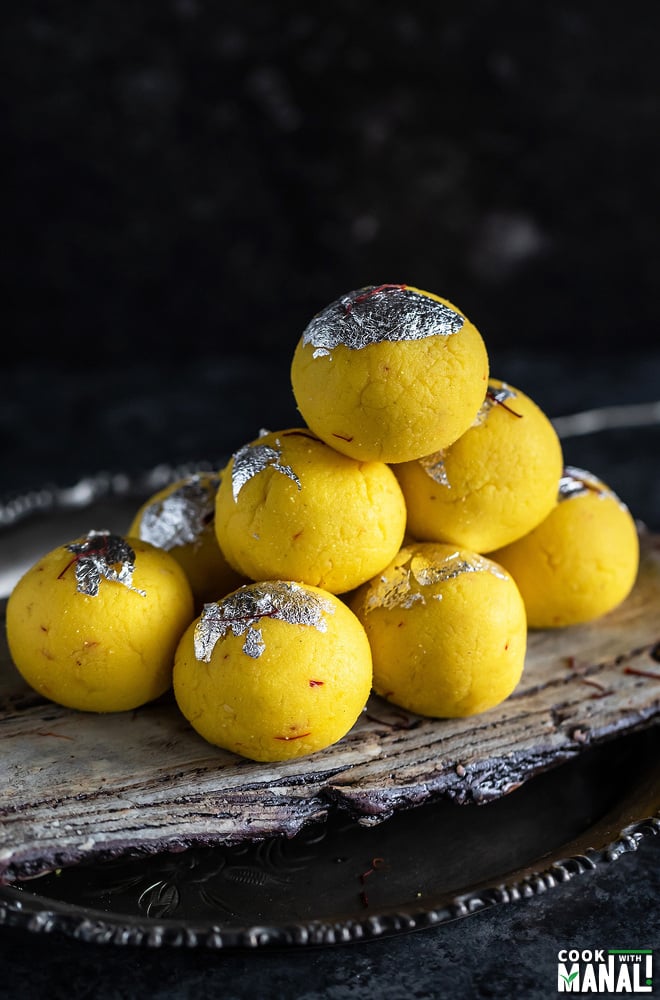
(641,673)
(299,433)
(601,689)
(491,395)
(99,550)
(376,863)
(370,293)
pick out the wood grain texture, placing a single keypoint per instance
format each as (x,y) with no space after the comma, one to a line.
(78,786)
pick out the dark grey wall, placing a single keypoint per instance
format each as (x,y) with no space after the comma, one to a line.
(197,176)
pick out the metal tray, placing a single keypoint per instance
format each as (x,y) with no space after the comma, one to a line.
(341,882)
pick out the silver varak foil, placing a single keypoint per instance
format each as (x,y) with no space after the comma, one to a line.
(97,558)
(399,589)
(254,458)
(183,516)
(242,612)
(576,482)
(494,396)
(434,467)
(376,313)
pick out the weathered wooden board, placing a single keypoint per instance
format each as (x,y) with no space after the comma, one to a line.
(78,786)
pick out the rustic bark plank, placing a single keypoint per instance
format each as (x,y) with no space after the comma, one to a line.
(78,786)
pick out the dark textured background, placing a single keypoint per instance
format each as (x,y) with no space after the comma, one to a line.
(196,178)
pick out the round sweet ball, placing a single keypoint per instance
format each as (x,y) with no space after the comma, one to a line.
(581,561)
(493,485)
(94,624)
(291,508)
(447,630)
(273,671)
(180,518)
(389,373)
